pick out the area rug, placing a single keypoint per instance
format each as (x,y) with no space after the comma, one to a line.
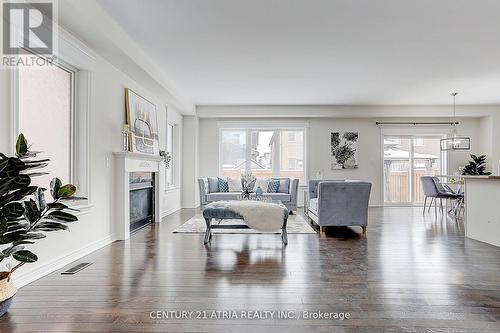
(296,225)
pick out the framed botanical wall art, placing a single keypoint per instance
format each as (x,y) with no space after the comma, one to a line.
(143,122)
(344,150)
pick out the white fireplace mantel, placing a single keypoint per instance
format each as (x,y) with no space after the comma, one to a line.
(124,164)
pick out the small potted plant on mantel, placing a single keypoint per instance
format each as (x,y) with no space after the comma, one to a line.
(24,213)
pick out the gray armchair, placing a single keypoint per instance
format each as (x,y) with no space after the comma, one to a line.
(339,203)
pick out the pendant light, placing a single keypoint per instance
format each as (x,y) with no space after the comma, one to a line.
(453,141)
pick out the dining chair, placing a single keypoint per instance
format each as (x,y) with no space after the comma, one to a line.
(430,191)
(446,193)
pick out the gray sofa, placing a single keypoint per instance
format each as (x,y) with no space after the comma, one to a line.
(339,203)
(287,192)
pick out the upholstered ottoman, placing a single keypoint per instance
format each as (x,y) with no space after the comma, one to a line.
(219,211)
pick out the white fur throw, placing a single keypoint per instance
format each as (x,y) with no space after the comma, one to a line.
(258,215)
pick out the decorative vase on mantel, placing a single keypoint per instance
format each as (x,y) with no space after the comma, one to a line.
(7,292)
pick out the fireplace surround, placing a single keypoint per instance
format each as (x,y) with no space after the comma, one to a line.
(125,164)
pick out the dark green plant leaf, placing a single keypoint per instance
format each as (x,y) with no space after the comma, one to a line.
(5,185)
(31,235)
(32,213)
(30,162)
(25,256)
(17,195)
(50,226)
(40,199)
(61,216)
(21,145)
(29,154)
(22,181)
(36,174)
(66,191)
(13,210)
(55,185)
(36,166)
(22,242)
(3,227)
(3,163)
(74,198)
(12,236)
(12,168)
(56,205)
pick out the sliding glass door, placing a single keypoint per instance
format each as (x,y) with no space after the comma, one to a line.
(406,159)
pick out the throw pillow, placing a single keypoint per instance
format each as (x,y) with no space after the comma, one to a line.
(284,185)
(234,184)
(263,183)
(274,185)
(223,185)
(213,184)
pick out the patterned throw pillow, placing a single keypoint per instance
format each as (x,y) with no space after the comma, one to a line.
(273,186)
(223,185)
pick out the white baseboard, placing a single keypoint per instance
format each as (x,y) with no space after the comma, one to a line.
(169,211)
(39,272)
(190,205)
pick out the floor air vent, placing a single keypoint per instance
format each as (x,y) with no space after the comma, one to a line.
(77,268)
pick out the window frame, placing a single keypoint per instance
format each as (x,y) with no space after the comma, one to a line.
(74,54)
(169,186)
(267,126)
(406,132)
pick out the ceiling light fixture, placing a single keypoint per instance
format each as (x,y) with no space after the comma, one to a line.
(453,141)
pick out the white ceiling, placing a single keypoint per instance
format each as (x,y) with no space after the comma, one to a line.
(321,52)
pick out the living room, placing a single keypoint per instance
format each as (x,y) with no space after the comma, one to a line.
(296,166)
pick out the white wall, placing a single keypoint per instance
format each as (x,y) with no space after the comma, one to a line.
(94,228)
(370,155)
(190,157)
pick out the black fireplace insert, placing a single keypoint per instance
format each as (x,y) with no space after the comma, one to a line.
(141,199)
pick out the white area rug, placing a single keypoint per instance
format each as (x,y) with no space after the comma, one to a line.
(296,224)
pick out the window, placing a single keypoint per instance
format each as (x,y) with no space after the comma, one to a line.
(170,179)
(51,105)
(233,146)
(406,159)
(292,151)
(46,104)
(419,142)
(262,152)
(269,153)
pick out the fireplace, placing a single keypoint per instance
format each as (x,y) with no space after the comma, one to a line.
(136,192)
(141,199)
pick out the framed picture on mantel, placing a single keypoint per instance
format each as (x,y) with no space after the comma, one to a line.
(143,122)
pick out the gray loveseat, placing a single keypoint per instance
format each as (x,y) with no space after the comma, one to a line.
(339,203)
(287,192)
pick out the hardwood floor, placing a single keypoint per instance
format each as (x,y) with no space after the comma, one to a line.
(410,274)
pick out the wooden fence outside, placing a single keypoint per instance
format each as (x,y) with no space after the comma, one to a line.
(398,186)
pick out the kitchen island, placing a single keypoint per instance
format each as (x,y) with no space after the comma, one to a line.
(482,208)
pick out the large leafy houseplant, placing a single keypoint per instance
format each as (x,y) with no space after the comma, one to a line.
(25,215)
(476,167)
